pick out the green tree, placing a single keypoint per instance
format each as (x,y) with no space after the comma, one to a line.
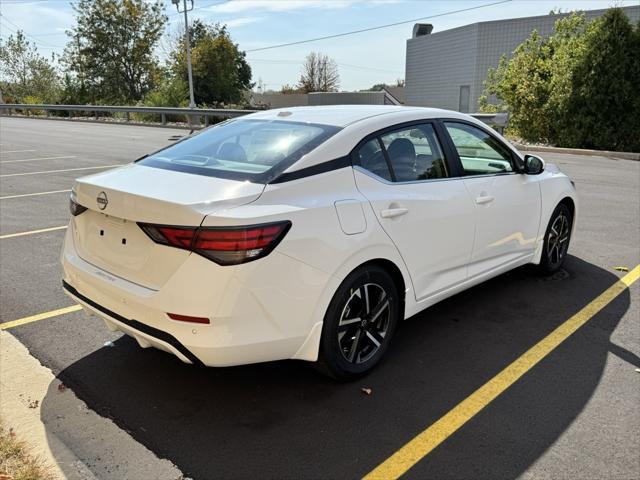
(172,92)
(603,104)
(221,74)
(111,53)
(577,88)
(380,86)
(25,73)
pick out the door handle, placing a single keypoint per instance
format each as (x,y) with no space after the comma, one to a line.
(393,212)
(484,199)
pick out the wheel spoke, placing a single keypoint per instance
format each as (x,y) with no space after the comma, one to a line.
(354,346)
(381,307)
(373,339)
(365,296)
(348,321)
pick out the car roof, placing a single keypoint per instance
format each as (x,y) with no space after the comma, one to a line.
(341,115)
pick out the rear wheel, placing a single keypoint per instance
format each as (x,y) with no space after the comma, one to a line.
(359,324)
(556,240)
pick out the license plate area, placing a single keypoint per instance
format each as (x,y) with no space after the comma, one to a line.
(121,248)
(112,242)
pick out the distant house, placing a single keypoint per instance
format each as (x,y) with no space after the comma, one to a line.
(390,96)
(447,69)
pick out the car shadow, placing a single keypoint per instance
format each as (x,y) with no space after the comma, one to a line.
(283,420)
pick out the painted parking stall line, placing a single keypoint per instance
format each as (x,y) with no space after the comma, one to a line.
(59,171)
(32,232)
(426,441)
(22,195)
(39,316)
(36,159)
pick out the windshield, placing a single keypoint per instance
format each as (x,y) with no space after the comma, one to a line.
(254,150)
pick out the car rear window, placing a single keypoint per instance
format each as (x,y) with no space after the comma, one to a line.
(254,150)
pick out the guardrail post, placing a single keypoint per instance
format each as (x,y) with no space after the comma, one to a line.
(206,120)
(163,118)
(127,117)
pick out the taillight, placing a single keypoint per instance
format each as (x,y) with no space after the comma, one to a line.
(180,237)
(223,245)
(74,207)
(187,318)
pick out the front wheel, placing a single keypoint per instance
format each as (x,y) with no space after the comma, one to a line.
(359,324)
(556,240)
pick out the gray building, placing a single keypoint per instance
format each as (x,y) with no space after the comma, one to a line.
(285,100)
(447,69)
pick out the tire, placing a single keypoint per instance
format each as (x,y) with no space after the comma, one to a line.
(354,336)
(556,240)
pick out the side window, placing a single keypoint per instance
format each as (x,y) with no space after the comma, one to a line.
(480,153)
(414,153)
(371,157)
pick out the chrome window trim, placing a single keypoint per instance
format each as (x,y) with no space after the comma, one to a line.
(429,180)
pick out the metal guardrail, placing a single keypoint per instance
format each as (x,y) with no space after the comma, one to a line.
(191,114)
(498,121)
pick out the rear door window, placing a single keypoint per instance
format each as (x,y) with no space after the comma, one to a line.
(371,158)
(414,153)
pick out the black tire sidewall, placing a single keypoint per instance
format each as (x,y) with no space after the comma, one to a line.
(331,359)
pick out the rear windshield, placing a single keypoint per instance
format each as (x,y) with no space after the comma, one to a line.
(254,150)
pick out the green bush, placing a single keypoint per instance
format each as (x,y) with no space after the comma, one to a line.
(172,92)
(577,88)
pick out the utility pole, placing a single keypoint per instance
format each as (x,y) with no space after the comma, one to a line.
(192,103)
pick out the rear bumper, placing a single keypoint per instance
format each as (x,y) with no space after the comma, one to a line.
(270,309)
(146,335)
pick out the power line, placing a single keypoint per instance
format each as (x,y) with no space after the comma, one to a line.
(42,42)
(353,32)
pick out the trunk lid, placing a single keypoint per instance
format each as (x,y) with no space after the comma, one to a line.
(107,235)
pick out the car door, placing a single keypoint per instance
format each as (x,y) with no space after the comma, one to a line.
(426,211)
(507,203)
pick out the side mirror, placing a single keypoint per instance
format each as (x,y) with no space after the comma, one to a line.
(533,165)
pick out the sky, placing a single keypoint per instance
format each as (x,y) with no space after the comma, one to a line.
(363,59)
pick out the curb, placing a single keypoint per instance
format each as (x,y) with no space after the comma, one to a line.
(579,151)
(73,440)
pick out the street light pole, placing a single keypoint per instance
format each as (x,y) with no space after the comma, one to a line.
(192,103)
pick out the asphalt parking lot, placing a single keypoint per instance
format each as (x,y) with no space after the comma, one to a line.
(573,415)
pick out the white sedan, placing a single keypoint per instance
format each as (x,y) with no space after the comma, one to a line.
(308,233)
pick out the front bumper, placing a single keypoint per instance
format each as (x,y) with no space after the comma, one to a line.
(270,309)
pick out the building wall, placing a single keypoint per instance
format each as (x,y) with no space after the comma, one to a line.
(347,98)
(464,54)
(286,100)
(279,100)
(438,65)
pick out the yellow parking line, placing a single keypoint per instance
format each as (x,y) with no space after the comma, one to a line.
(40,316)
(421,445)
(32,232)
(58,171)
(33,194)
(35,159)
